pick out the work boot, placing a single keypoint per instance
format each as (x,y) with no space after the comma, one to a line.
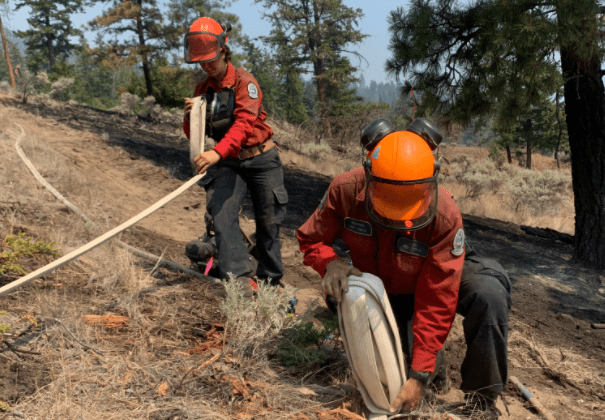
(478,407)
(439,381)
(199,250)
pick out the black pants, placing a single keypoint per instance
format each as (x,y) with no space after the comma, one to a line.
(226,185)
(484,301)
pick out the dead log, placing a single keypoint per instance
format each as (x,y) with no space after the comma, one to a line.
(548,234)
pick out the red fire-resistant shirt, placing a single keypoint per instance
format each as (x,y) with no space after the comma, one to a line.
(394,257)
(249,127)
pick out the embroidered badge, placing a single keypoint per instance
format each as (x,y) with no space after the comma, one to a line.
(376,153)
(410,246)
(322,202)
(358,226)
(252,91)
(458,245)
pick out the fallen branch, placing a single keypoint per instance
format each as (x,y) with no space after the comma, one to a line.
(545,364)
(86,346)
(531,399)
(23,330)
(16,349)
(203,366)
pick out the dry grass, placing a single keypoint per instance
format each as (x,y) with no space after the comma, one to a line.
(497,204)
(564,365)
(150,368)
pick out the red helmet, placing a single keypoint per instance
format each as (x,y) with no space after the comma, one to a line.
(401,182)
(205,39)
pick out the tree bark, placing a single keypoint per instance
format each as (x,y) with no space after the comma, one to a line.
(144,59)
(49,43)
(585,108)
(509,155)
(527,128)
(320,82)
(560,131)
(8,56)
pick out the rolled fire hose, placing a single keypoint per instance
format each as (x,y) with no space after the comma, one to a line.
(372,343)
(196,145)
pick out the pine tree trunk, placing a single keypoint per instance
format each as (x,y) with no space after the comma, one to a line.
(8,56)
(509,155)
(321,83)
(585,108)
(527,126)
(49,43)
(146,68)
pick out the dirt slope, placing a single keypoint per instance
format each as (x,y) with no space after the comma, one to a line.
(116,175)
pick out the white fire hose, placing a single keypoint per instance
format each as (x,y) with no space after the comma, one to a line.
(196,146)
(372,343)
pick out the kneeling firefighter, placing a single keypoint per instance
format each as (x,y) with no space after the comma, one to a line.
(244,159)
(401,228)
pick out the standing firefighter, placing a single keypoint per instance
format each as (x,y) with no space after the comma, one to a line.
(400,226)
(244,159)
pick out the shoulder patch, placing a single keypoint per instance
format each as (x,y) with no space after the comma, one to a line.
(358,226)
(252,91)
(458,245)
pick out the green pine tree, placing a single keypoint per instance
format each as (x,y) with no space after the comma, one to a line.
(471,58)
(50,28)
(312,36)
(137,36)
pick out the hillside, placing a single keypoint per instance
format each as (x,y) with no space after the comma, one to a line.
(114,167)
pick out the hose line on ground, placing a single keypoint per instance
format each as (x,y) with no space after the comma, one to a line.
(198,117)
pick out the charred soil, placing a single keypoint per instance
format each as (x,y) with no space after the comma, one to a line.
(119,166)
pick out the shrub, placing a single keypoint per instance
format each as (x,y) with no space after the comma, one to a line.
(16,246)
(58,90)
(253,324)
(537,191)
(28,84)
(5,87)
(315,151)
(302,344)
(477,177)
(128,103)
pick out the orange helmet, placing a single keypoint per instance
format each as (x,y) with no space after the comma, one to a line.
(205,39)
(401,181)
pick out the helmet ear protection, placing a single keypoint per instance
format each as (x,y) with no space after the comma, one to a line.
(225,24)
(379,129)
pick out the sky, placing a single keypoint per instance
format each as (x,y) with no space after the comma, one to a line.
(374,48)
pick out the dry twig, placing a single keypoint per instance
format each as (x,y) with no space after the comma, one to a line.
(86,346)
(14,349)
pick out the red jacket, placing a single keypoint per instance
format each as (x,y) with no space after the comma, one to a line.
(249,127)
(395,258)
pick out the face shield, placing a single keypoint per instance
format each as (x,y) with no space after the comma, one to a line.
(401,205)
(203,47)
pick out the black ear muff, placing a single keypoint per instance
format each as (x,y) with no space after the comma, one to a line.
(427,130)
(367,164)
(374,132)
(224,24)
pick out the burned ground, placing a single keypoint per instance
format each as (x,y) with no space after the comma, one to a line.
(122,165)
